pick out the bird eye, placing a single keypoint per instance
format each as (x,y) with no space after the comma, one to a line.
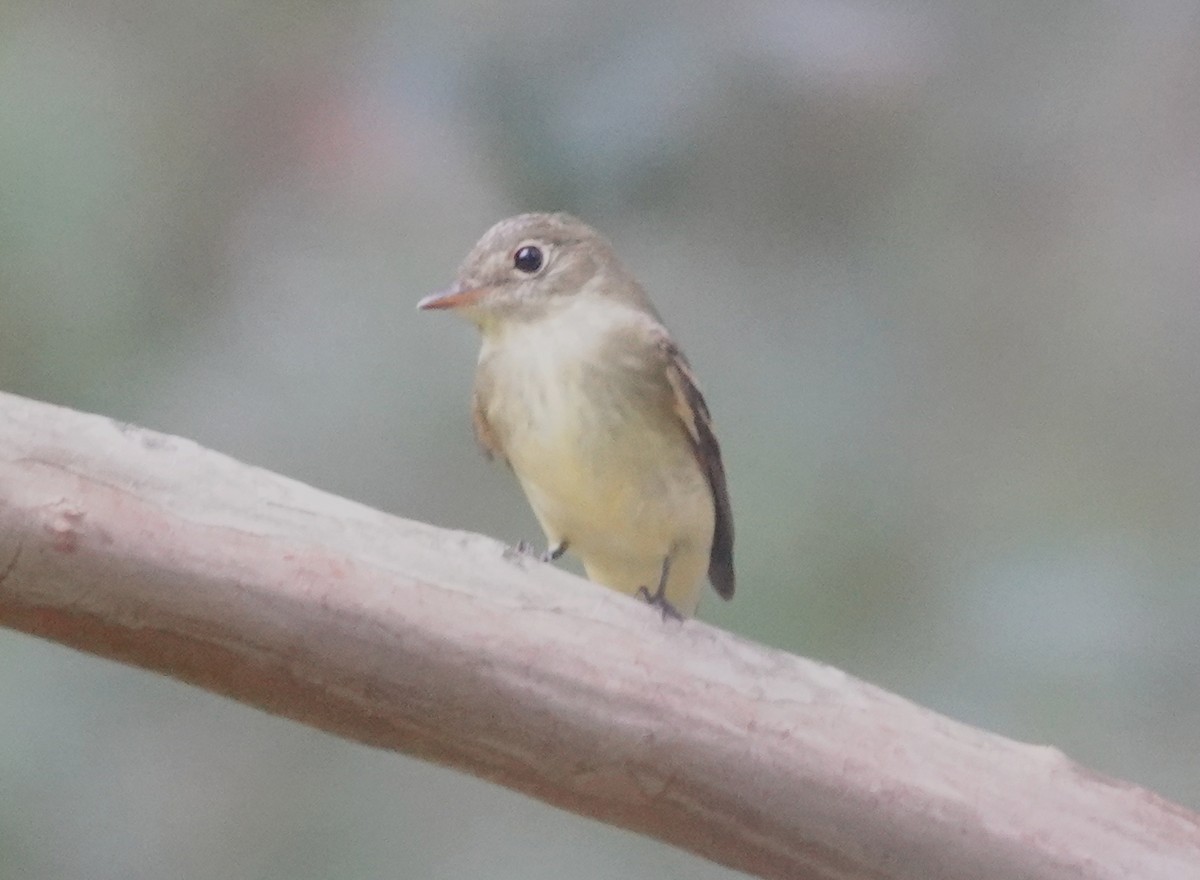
(527,259)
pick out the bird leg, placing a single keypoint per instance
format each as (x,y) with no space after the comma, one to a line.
(658,599)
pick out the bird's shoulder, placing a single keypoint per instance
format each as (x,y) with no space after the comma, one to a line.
(485,434)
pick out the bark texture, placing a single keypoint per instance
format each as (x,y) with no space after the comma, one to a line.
(154,551)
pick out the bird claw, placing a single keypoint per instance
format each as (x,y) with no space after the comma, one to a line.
(524,549)
(658,599)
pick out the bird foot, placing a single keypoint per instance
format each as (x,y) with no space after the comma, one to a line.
(525,549)
(658,599)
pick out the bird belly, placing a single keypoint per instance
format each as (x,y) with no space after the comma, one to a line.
(625,496)
(601,454)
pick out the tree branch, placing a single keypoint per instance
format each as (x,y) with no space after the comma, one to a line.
(154,551)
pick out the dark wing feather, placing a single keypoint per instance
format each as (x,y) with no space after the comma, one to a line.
(693,412)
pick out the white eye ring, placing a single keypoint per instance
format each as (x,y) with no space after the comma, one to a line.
(529,259)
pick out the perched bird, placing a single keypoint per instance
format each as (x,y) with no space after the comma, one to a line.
(581,389)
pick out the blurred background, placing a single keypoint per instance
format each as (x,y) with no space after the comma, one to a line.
(936,264)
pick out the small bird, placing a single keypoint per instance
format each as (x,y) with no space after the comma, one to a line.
(581,389)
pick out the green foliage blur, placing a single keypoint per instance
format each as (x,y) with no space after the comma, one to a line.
(937,265)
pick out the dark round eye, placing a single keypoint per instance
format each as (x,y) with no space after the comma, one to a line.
(527,259)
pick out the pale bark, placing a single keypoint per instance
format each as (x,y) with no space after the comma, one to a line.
(157,552)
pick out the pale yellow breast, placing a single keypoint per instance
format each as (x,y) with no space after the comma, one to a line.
(604,463)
